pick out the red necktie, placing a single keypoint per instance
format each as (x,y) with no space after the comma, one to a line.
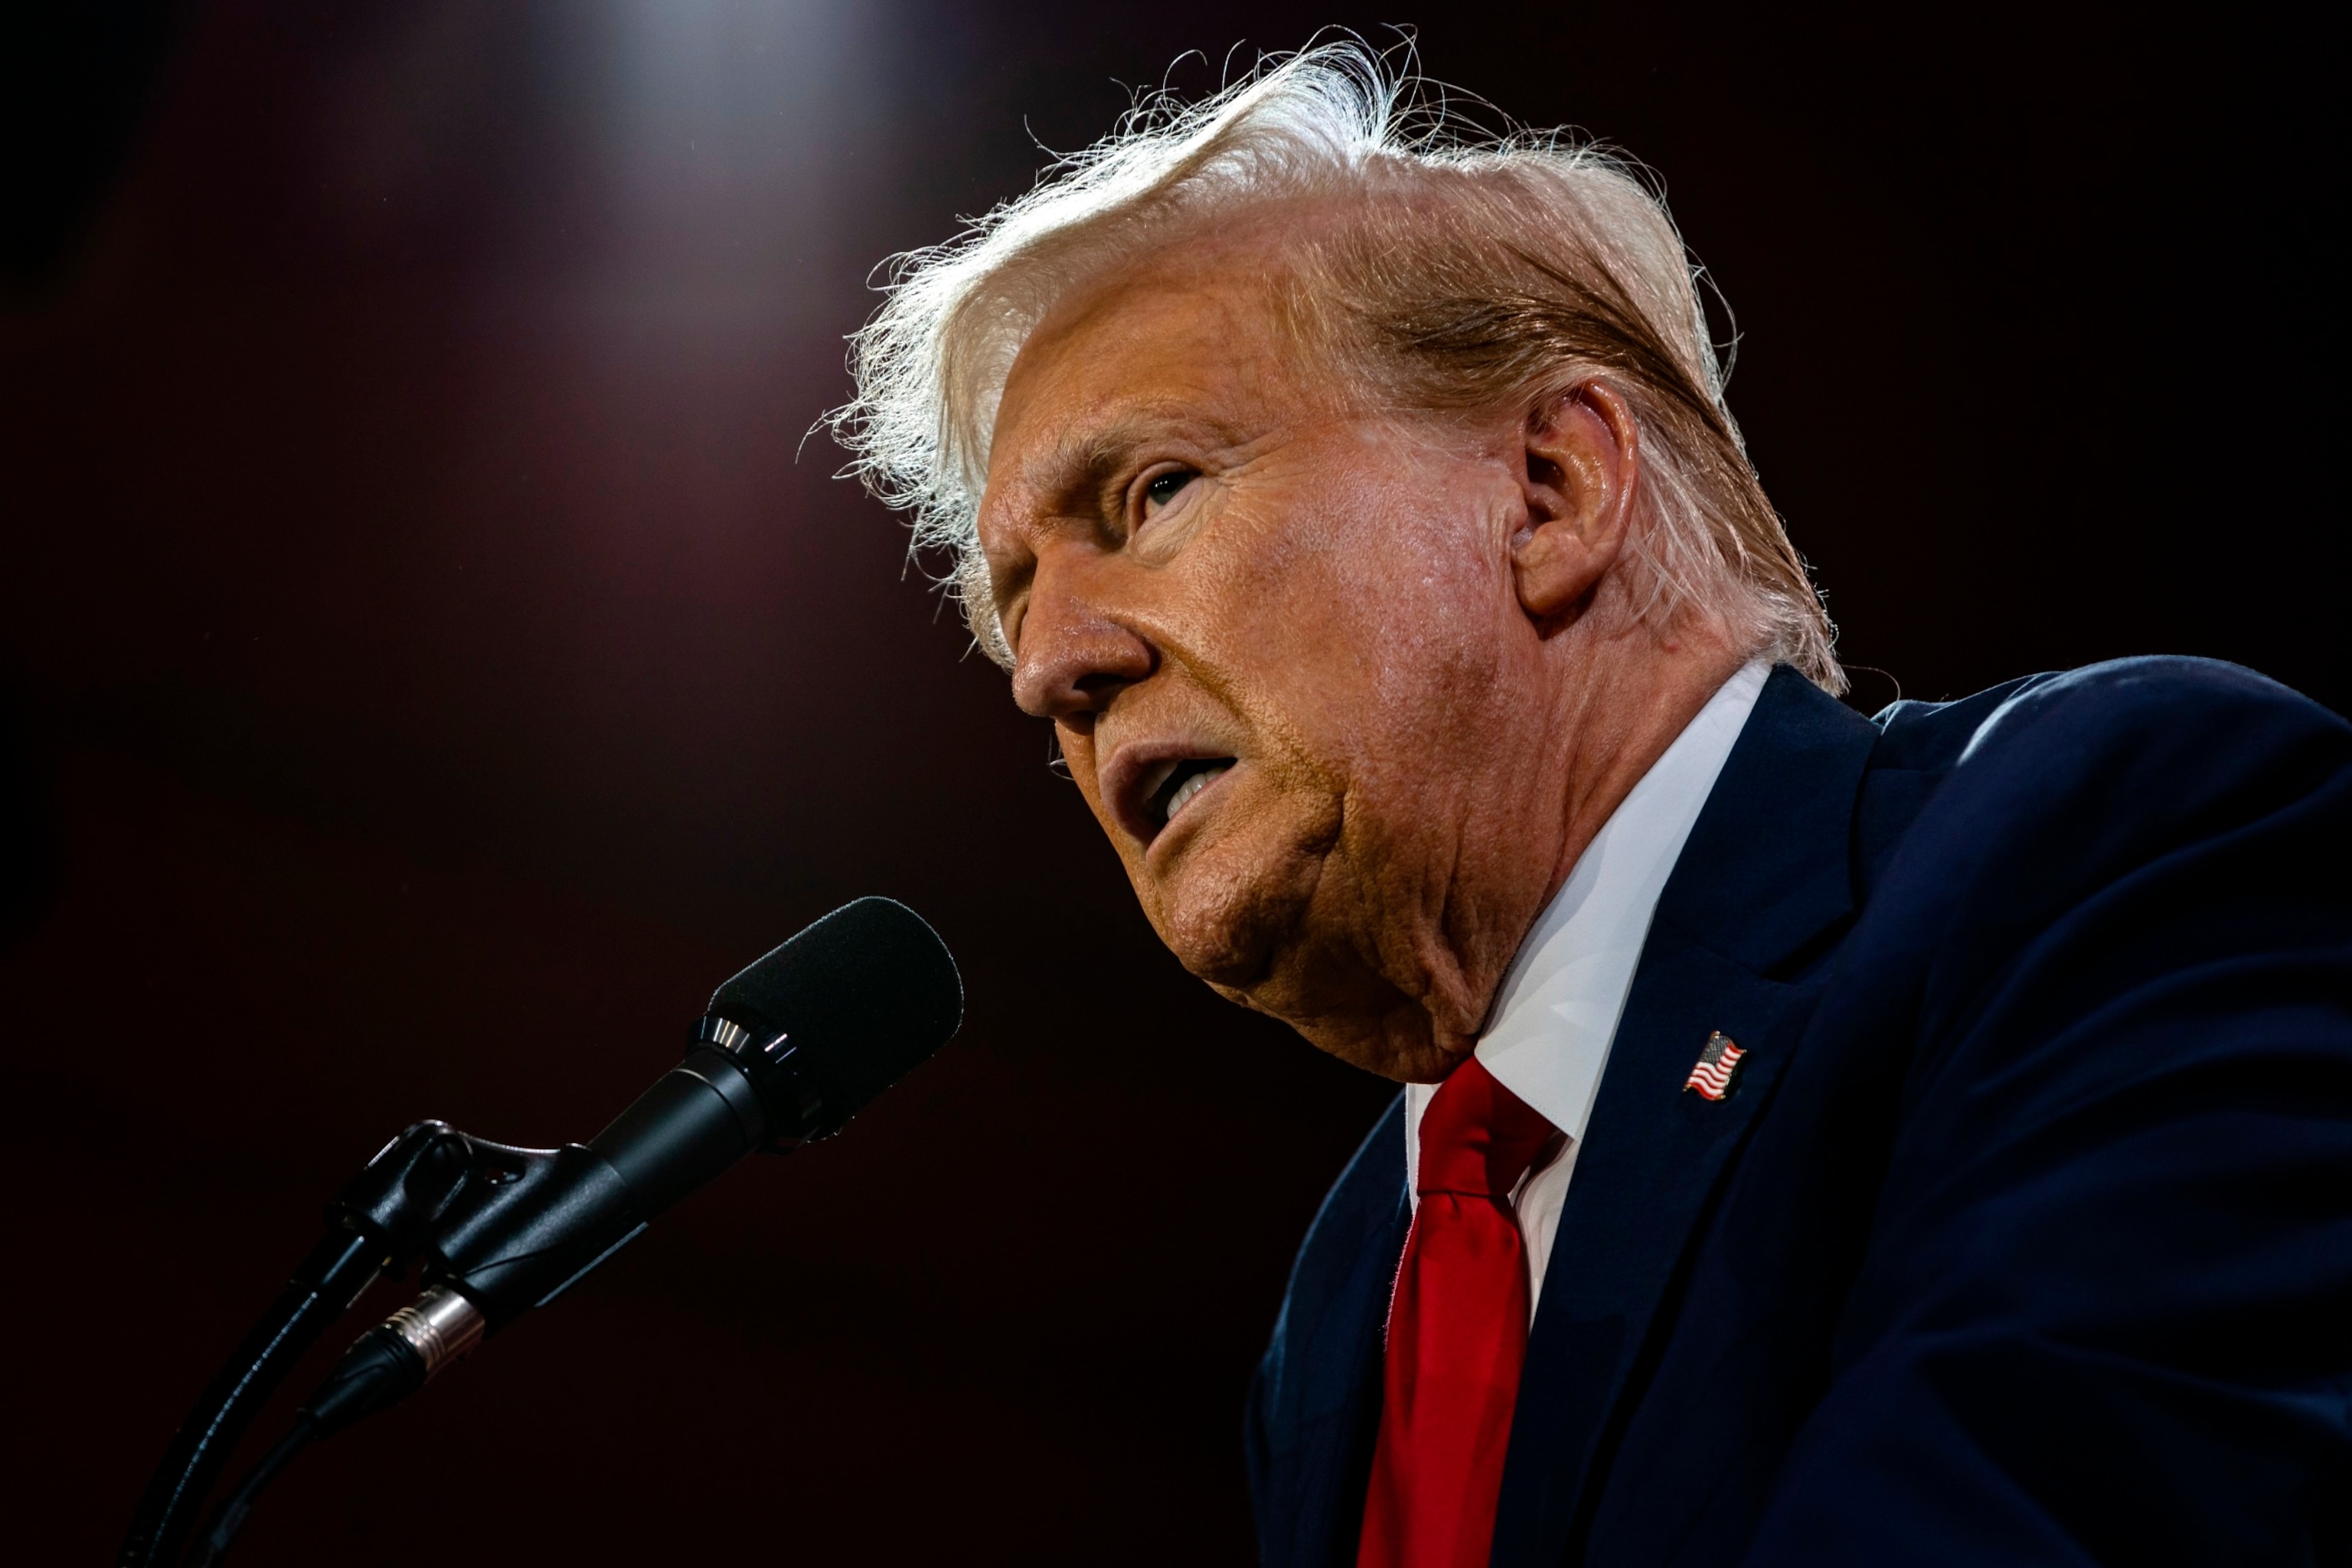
(1457,1332)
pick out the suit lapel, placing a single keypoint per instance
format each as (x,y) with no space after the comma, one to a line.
(1764,874)
(1314,1408)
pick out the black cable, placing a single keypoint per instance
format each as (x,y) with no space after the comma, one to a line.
(330,1279)
(230,1518)
(380,1370)
(377,1222)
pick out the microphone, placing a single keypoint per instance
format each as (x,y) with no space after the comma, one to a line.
(786,1053)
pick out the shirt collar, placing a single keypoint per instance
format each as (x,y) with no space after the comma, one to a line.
(1557,1010)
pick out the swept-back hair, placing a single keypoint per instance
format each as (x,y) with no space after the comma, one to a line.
(1466,271)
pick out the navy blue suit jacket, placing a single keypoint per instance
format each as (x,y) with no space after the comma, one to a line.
(2026,1236)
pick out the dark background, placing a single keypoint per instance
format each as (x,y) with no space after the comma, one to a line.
(431,657)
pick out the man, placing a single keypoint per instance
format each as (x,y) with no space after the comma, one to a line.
(1825,1139)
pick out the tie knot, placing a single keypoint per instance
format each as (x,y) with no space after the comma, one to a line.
(1478,1137)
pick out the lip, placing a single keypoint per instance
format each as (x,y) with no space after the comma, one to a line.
(1172,835)
(1134,776)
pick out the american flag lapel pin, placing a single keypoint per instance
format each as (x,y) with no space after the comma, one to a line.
(1717,1065)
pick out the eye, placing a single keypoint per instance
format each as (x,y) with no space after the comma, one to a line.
(1165,488)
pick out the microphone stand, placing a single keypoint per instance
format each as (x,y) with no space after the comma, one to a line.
(496,1230)
(376,1225)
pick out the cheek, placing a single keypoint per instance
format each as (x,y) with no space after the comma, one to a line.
(1370,619)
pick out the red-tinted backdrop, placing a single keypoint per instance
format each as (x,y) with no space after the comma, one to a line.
(436,656)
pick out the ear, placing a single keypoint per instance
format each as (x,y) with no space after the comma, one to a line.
(1580,452)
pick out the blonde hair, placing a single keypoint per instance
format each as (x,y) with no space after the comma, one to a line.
(1470,271)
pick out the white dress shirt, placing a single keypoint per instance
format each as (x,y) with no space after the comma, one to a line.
(1556,1012)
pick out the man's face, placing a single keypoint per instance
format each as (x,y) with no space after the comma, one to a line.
(1277,633)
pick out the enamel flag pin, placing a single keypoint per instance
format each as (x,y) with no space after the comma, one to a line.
(1717,1066)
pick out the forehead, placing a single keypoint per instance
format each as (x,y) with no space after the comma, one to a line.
(1193,340)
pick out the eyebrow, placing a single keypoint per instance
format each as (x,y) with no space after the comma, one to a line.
(1083,465)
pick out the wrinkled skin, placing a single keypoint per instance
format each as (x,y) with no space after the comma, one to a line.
(1410,635)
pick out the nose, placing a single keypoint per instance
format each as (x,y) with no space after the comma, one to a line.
(1076,653)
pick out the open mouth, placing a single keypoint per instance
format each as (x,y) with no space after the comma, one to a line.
(1186,778)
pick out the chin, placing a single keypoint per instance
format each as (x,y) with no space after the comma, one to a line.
(1229,910)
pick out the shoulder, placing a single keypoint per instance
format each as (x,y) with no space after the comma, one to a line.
(2146,814)
(2091,1045)
(2119,757)
(2157,707)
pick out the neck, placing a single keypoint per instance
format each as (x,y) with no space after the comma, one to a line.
(1613,713)
(1622,720)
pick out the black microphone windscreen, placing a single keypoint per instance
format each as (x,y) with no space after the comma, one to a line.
(866,993)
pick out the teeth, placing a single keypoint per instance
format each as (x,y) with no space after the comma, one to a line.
(1193,786)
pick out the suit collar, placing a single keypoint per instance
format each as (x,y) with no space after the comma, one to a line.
(1762,877)
(1766,867)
